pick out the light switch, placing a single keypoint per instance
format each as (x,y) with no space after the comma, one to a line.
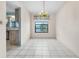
(0,22)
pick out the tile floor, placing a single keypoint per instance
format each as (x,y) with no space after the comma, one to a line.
(40,48)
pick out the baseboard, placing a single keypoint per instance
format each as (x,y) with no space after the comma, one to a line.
(43,37)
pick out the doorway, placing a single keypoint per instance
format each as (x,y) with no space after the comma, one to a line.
(13,26)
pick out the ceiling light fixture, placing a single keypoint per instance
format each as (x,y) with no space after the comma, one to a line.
(43,12)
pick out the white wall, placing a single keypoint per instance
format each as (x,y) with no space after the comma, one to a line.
(51,29)
(3,29)
(67,26)
(25,25)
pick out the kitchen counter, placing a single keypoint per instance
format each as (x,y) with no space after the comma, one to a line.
(10,28)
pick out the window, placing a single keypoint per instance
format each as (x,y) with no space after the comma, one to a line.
(41,26)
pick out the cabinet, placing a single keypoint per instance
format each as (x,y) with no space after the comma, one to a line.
(12,35)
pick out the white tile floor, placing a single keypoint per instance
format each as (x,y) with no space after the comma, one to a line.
(41,48)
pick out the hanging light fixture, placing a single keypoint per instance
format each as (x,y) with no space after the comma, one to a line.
(43,15)
(43,12)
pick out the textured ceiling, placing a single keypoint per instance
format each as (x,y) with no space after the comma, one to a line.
(10,7)
(36,6)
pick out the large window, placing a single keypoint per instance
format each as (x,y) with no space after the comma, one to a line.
(41,26)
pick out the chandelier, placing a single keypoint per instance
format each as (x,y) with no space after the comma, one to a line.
(43,12)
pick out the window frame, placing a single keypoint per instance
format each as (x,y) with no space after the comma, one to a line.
(39,28)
